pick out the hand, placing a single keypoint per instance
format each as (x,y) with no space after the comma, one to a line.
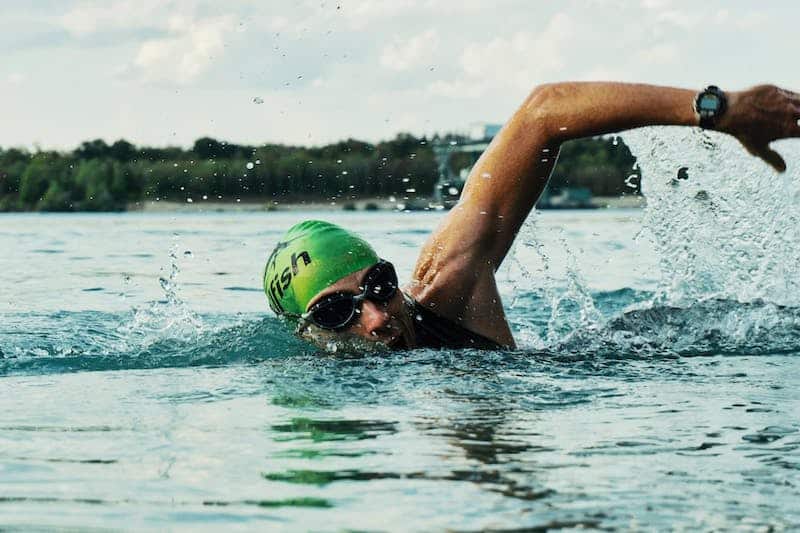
(761,115)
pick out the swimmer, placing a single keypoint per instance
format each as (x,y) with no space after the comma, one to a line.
(332,286)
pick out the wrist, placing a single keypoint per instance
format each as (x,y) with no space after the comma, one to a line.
(710,106)
(724,122)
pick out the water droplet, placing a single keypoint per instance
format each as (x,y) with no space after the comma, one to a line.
(258,161)
(405,180)
(486,175)
(452,191)
(250,165)
(188,254)
(411,190)
(189,200)
(258,100)
(339,161)
(562,128)
(205,197)
(629,181)
(419,318)
(453,143)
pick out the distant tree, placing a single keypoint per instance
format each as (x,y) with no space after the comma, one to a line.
(96,149)
(122,151)
(96,176)
(12,165)
(43,169)
(208,148)
(56,198)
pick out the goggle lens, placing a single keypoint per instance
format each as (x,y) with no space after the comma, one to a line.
(380,283)
(337,310)
(333,311)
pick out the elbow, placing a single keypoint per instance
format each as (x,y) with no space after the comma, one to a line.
(543,109)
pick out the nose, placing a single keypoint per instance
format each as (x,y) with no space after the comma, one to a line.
(373,319)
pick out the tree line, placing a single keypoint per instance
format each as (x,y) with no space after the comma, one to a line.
(98,176)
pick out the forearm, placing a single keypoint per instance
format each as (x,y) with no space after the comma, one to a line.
(522,156)
(572,110)
(507,180)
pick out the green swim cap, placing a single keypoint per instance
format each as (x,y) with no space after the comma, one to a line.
(311,256)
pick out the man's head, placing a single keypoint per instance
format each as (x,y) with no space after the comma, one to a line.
(333,284)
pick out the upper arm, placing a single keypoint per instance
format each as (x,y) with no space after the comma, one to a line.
(456,267)
(500,191)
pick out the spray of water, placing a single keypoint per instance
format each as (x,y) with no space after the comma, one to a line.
(726,230)
(165,320)
(723,223)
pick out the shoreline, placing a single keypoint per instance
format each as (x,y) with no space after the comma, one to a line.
(364,204)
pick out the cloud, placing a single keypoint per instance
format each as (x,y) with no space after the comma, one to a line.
(660,54)
(459,89)
(87,18)
(655,4)
(518,61)
(406,54)
(189,51)
(681,19)
(15,78)
(605,73)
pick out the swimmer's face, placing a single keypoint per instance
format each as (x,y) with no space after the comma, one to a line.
(379,325)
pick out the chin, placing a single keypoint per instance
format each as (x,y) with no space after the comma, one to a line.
(343,343)
(398,344)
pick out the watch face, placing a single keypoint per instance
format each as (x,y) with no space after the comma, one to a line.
(708,102)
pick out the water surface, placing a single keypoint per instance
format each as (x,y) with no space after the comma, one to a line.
(657,384)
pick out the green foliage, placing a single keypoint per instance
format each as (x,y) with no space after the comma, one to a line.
(43,169)
(101,177)
(599,164)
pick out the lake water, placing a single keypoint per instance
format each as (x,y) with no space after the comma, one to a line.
(144,383)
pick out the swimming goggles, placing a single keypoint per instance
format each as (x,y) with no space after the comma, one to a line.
(338,310)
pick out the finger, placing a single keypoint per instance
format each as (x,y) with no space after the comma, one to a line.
(772,157)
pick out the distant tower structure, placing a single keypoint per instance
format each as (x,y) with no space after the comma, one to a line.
(451,181)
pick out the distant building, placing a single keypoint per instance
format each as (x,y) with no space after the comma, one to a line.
(480,130)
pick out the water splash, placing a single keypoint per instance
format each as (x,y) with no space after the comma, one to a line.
(729,229)
(167,319)
(725,230)
(568,299)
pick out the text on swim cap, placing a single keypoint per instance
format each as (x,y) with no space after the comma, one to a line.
(280,282)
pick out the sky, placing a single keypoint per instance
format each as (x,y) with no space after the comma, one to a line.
(165,72)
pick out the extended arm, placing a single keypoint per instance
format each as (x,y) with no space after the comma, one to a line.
(456,267)
(521,158)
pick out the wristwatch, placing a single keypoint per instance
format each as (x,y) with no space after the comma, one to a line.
(710,104)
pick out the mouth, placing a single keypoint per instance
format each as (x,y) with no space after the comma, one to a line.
(397,343)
